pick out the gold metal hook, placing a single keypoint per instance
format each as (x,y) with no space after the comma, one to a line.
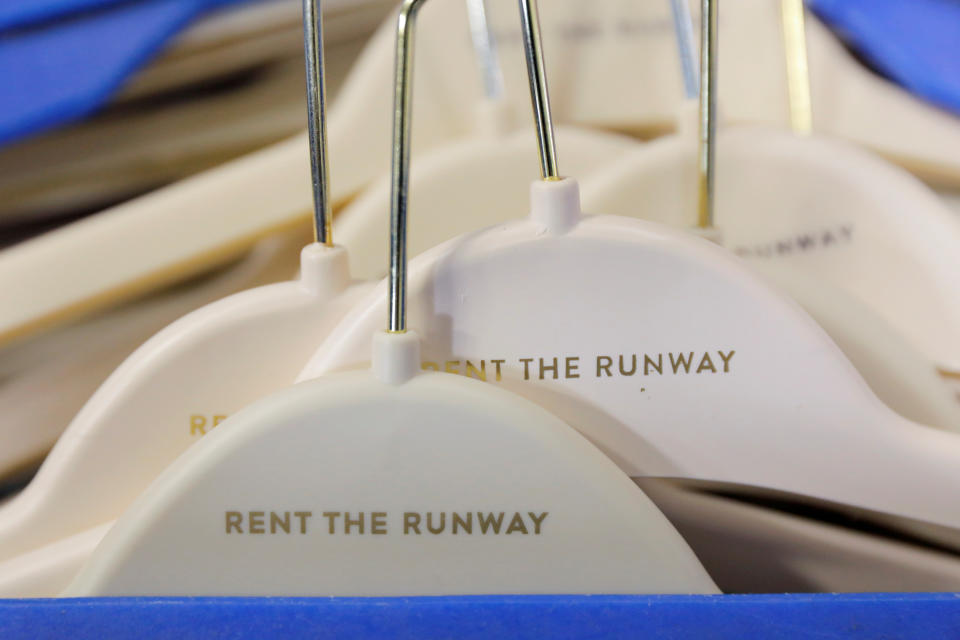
(798,70)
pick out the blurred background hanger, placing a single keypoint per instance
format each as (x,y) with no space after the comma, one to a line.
(863,246)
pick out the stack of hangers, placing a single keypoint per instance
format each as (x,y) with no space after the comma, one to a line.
(760,331)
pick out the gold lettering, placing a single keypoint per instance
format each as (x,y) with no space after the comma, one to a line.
(633,367)
(516,524)
(706,364)
(549,367)
(411,520)
(497,364)
(378,523)
(331,517)
(526,367)
(197,424)
(217,419)
(347,522)
(284,523)
(604,367)
(437,529)
(479,374)
(490,522)
(685,362)
(426,365)
(726,360)
(573,365)
(537,521)
(256,522)
(648,364)
(466,525)
(234,519)
(451,366)
(303,515)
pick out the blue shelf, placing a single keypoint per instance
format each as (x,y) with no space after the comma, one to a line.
(740,617)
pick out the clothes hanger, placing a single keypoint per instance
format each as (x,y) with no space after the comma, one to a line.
(592,49)
(895,370)
(182,381)
(670,356)
(71,362)
(826,222)
(485,176)
(372,444)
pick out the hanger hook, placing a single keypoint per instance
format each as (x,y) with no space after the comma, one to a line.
(683,30)
(708,112)
(798,69)
(317,119)
(539,92)
(402,125)
(485,48)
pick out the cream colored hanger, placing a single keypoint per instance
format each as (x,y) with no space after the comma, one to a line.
(826,222)
(668,354)
(108,263)
(185,379)
(485,176)
(380,467)
(902,377)
(71,362)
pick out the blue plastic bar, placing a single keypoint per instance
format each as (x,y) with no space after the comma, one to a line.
(737,617)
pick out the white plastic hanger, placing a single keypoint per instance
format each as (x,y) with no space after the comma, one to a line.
(485,175)
(847,235)
(669,354)
(188,377)
(315,489)
(895,369)
(71,362)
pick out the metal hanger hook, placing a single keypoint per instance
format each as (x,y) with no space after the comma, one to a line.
(402,126)
(708,113)
(317,119)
